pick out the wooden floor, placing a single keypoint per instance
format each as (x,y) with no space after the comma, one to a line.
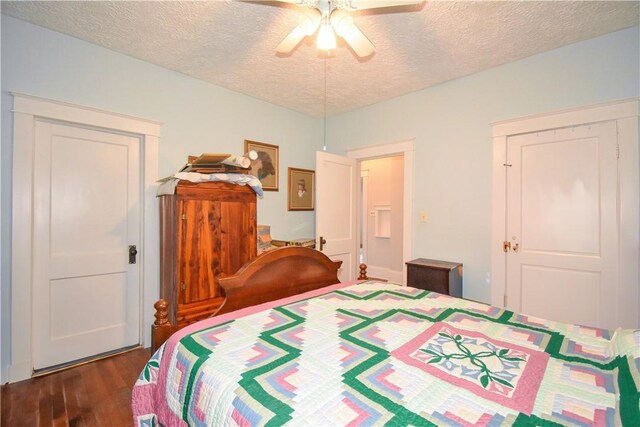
(94,394)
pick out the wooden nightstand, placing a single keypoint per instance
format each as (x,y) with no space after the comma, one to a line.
(437,276)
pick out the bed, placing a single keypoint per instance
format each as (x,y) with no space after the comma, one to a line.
(368,353)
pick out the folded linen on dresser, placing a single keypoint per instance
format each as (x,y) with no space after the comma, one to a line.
(168,185)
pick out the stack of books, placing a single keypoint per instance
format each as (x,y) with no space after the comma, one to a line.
(214,163)
(264,238)
(306,242)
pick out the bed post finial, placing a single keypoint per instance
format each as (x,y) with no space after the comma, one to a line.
(161,314)
(161,328)
(363,272)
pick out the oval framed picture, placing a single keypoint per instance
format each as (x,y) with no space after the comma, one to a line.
(266,166)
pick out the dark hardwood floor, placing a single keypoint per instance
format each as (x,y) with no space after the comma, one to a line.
(94,394)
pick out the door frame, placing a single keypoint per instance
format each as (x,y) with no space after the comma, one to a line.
(401,148)
(625,114)
(363,200)
(26,110)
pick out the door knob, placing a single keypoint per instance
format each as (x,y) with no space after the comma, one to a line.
(323,242)
(132,254)
(507,246)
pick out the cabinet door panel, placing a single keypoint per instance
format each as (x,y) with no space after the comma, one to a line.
(237,235)
(199,250)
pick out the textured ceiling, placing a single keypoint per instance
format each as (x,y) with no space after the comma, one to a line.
(232,43)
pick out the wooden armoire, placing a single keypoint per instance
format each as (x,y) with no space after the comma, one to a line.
(207,230)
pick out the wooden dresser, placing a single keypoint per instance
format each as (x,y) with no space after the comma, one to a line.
(437,276)
(207,230)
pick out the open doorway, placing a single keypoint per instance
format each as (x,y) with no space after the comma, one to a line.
(381,217)
(403,184)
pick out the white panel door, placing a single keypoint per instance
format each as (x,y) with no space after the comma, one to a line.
(86,295)
(562,224)
(336,211)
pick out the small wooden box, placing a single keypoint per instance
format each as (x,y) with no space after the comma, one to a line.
(437,276)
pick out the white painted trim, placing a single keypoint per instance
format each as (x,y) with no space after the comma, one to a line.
(499,221)
(20,366)
(364,216)
(406,149)
(629,214)
(382,150)
(150,256)
(63,111)
(392,276)
(626,114)
(26,109)
(571,117)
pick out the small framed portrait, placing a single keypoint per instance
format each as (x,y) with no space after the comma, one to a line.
(265,167)
(301,189)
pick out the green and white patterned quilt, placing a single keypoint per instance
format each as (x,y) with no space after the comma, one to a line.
(382,354)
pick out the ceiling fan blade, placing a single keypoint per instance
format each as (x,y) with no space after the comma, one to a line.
(309,22)
(361,45)
(291,41)
(373,4)
(298,2)
(343,24)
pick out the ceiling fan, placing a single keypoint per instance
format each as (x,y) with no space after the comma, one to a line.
(332,17)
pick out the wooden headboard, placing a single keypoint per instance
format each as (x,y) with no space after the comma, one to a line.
(275,274)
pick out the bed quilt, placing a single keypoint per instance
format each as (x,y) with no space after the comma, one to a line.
(383,354)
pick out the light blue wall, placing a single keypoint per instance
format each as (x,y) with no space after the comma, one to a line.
(449,122)
(197,117)
(453,148)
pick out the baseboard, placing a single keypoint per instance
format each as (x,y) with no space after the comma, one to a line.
(19,372)
(389,275)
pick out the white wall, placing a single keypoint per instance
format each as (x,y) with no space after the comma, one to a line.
(453,149)
(197,117)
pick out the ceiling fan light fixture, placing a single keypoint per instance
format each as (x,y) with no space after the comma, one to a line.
(333,18)
(326,37)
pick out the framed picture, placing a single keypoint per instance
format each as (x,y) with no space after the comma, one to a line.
(265,167)
(301,189)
